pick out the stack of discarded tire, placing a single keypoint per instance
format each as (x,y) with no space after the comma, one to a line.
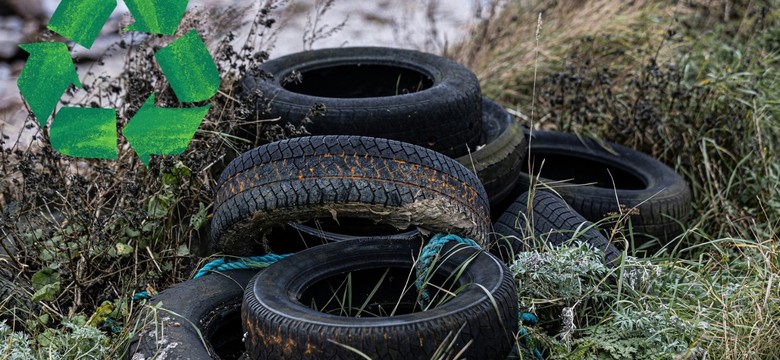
(402,146)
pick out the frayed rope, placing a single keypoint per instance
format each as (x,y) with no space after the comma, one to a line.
(216,265)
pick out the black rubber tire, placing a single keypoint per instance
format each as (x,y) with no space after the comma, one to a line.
(279,326)
(552,221)
(212,303)
(504,150)
(348,177)
(660,196)
(349,82)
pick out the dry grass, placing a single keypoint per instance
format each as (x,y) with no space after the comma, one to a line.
(501,49)
(694,84)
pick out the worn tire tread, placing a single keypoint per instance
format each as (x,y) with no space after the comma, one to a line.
(553,220)
(312,177)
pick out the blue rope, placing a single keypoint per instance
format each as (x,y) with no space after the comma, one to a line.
(252,262)
(143,295)
(429,251)
(528,319)
(423,268)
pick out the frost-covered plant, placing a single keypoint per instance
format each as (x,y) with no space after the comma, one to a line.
(590,311)
(71,342)
(639,274)
(566,273)
(640,330)
(14,345)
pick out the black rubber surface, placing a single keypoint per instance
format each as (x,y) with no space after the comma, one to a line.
(496,162)
(209,305)
(658,196)
(548,219)
(346,178)
(398,94)
(281,324)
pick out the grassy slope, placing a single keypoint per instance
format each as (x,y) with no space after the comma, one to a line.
(696,86)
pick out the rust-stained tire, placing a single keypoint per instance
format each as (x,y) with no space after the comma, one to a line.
(347,178)
(281,324)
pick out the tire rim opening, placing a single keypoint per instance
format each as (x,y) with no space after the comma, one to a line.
(359,81)
(354,226)
(288,240)
(224,333)
(577,170)
(291,239)
(374,292)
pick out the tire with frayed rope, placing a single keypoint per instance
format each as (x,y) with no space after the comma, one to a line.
(350,180)
(173,322)
(399,94)
(281,324)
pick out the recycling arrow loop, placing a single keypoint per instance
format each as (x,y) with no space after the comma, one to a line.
(162,131)
(92,132)
(189,68)
(81,20)
(49,71)
(85,133)
(155,16)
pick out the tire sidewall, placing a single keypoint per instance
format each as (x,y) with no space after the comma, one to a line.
(172,332)
(445,117)
(654,210)
(440,70)
(659,179)
(277,291)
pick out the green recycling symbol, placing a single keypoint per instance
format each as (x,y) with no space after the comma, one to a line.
(91,132)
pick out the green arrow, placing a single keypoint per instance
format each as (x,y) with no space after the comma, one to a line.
(156,16)
(162,131)
(189,68)
(85,132)
(46,75)
(81,20)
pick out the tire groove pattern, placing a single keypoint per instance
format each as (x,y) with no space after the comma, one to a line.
(552,220)
(505,148)
(384,180)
